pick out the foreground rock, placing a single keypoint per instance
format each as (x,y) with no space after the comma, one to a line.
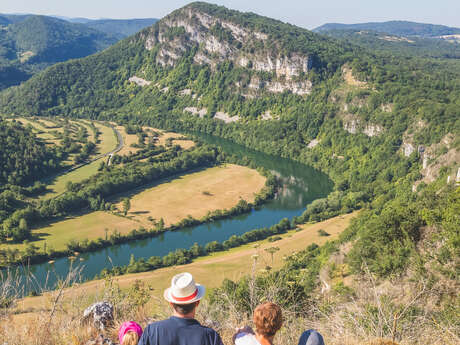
(100,315)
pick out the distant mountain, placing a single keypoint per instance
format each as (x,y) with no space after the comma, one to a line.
(31,43)
(399,45)
(401,28)
(121,27)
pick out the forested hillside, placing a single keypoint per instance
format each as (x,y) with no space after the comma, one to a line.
(120,27)
(23,157)
(382,125)
(398,45)
(396,27)
(30,45)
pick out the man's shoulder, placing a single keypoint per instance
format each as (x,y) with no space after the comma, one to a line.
(160,324)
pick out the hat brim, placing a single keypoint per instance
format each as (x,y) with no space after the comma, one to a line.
(170,298)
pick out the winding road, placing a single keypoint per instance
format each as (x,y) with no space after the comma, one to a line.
(102,155)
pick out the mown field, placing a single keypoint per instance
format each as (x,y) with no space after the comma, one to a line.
(195,194)
(172,200)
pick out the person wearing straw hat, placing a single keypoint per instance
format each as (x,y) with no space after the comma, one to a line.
(184,296)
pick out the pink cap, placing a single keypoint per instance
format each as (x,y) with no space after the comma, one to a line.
(129,326)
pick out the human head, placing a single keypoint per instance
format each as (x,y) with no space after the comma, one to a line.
(185,309)
(184,291)
(268,319)
(129,333)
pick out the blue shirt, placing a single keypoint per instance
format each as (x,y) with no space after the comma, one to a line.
(179,331)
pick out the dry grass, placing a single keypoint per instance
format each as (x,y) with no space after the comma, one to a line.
(350,79)
(128,139)
(107,137)
(164,136)
(61,310)
(212,270)
(173,201)
(90,226)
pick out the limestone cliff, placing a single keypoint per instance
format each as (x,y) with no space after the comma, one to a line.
(214,40)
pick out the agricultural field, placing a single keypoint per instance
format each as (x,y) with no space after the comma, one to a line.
(91,226)
(107,142)
(172,200)
(195,194)
(213,269)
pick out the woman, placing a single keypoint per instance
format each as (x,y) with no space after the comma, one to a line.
(268,319)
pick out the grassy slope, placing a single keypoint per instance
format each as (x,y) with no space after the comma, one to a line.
(128,139)
(107,144)
(184,196)
(211,270)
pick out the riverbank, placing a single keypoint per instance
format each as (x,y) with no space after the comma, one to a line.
(210,270)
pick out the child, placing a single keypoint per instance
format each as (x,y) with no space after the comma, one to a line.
(129,333)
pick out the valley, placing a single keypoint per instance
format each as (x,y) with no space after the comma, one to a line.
(319,170)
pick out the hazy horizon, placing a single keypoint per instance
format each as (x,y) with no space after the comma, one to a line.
(301,13)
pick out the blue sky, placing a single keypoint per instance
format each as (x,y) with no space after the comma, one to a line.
(305,13)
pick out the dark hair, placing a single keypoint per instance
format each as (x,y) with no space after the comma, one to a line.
(184,309)
(268,319)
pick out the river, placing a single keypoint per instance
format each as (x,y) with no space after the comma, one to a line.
(300,185)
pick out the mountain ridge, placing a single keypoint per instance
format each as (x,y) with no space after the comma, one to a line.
(396,27)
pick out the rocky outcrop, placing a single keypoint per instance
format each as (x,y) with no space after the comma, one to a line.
(193,29)
(353,124)
(139,81)
(372,130)
(195,111)
(99,315)
(266,116)
(313,143)
(226,117)
(408,149)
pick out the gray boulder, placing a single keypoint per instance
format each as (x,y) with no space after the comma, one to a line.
(100,315)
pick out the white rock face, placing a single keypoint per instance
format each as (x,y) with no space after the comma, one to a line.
(351,126)
(226,117)
(298,88)
(185,92)
(195,111)
(425,161)
(212,50)
(139,81)
(408,148)
(313,143)
(372,130)
(267,116)
(354,125)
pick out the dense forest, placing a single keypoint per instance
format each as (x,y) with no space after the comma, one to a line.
(23,157)
(395,27)
(30,43)
(398,45)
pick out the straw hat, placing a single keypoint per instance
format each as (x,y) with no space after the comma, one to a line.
(184,290)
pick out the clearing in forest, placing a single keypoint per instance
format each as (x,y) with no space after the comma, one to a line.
(196,194)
